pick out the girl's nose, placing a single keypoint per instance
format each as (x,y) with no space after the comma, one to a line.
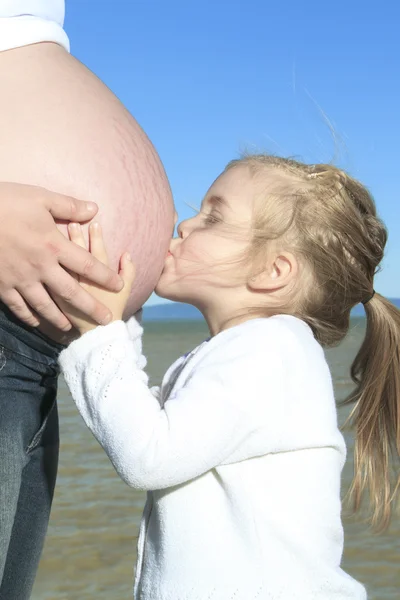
(181,229)
(185,227)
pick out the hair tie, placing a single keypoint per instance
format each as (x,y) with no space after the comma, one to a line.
(364,302)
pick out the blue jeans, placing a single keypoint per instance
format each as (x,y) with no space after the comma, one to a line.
(29,442)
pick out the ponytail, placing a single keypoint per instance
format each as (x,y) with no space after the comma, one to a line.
(330,220)
(376,414)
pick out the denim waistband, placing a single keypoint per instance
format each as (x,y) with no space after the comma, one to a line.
(25,340)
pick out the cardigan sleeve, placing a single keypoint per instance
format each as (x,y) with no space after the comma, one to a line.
(218,417)
(25,22)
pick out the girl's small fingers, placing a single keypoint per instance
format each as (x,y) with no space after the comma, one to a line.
(76,234)
(97,246)
(127,272)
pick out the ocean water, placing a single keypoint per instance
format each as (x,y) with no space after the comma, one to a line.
(91,544)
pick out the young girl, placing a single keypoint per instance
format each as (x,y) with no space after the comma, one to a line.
(239,448)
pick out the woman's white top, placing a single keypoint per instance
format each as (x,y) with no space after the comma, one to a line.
(24,22)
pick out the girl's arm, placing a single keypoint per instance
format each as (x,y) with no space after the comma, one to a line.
(218,417)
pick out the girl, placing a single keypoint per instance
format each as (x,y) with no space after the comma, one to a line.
(239,448)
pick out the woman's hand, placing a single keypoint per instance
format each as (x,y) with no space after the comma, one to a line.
(114,301)
(36,259)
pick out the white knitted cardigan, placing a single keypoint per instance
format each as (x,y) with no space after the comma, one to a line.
(240,453)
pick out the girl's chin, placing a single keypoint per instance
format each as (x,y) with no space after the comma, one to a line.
(162,292)
(172,295)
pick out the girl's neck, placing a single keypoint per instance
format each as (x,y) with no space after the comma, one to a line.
(222,321)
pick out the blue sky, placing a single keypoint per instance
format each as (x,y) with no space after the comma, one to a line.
(209,79)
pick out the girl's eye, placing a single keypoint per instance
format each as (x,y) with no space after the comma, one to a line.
(211,219)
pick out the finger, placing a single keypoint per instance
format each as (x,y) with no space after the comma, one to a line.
(64,285)
(68,208)
(39,299)
(96,241)
(80,261)
(76,235)
(19,307)
(127,272)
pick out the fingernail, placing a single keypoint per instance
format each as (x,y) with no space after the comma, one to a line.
(91,206)
(128,256)
(73,225)
(107,319)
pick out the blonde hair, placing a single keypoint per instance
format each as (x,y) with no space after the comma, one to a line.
(329,220)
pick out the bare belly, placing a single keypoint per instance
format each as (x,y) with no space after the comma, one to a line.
(61,128)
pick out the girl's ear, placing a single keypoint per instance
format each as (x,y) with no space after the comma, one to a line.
(278,273)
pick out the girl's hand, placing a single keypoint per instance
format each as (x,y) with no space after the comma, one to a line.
(114,301)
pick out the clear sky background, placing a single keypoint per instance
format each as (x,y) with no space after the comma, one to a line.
(208,79)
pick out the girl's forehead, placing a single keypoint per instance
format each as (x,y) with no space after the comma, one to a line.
(232,186)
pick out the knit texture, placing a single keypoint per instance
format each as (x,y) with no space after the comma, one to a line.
(240,453)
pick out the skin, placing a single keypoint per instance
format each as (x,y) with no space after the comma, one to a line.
(74,137)
(33,253)
(206,265)
(116,301)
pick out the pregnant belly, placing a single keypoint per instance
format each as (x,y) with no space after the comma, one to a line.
(63,129)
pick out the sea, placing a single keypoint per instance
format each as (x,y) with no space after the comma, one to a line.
(90,548)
